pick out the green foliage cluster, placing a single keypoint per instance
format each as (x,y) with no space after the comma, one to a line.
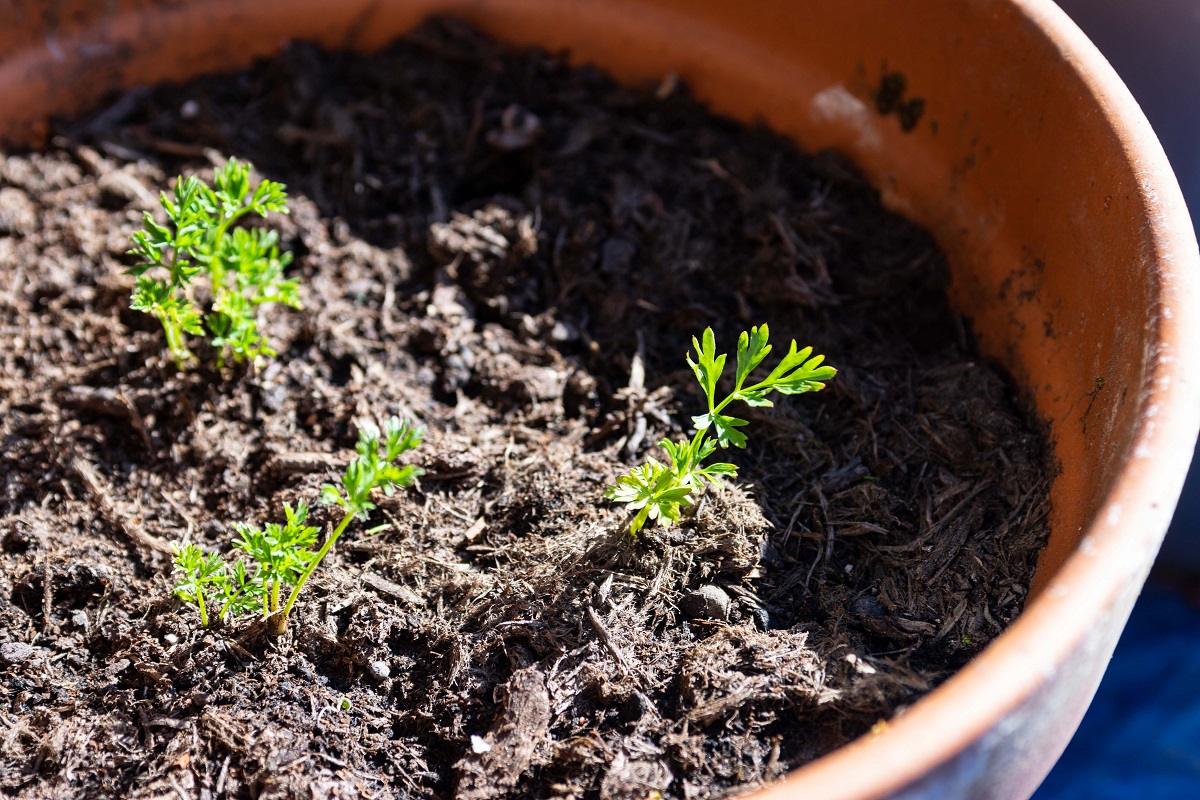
(283,557)
(199,572)
(244,266)
(281,553)
(375,468)
(656,491)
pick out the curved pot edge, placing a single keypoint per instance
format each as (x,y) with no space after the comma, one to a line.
(1114,554)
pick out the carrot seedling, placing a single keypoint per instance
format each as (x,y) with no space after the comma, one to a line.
(205,580)
(280,553)
(375,467)
(198,574)
(241,591)
(282,556)
(244,266)
(658,492)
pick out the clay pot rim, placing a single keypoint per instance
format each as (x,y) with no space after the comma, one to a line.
(1129,526)
(1124,533)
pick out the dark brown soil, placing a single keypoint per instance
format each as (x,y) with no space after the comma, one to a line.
(500,247)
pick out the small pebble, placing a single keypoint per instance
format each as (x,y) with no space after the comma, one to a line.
(769,553)
(15,652)
(762,618)
(519,129)
(380,670)
(563,332)
(707,602)
(171,638)
(636,706)
(867,606)
(859,664)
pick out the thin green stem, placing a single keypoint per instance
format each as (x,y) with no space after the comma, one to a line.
(738,393)
(729,400)
(216,271)
(176,278)
(695,445)
(308,571)
(175,341)
(216,277)
(200,605)
(224,225)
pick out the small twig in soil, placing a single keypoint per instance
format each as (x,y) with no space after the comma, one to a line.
(223,775)
(183,514)
(47,602)
(99,489)
(635,392)
(390,589)
(108,402)
(936,527)
(288,464)
(606,638)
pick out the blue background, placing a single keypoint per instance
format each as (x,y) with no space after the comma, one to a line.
(1140,739)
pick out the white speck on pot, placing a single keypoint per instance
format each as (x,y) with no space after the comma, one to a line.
(189,110)
(836,105)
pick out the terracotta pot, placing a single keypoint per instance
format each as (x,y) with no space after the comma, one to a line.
(1008,136)
(1152,44)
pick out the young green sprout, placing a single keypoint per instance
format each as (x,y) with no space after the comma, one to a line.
(244,266)
(197,573)
(241,591)
(203,578)
(283,555)
(657,492)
